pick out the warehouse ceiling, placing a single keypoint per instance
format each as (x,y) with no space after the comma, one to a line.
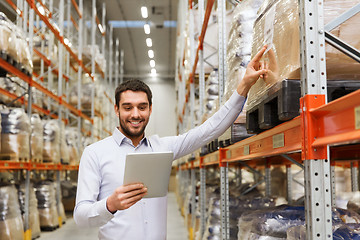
(128,27)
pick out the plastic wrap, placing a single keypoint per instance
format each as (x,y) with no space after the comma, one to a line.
(45,194)
(11,224)
(51,141)
(7,36)
(86,89)
(64,150)
(36,138)
(34,220)
(280,21)
(211,95)
(354,202)
(15,134)
(71,144)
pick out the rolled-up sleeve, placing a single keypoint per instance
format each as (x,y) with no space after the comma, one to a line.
(89,211)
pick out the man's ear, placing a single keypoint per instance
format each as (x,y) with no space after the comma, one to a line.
(116,110)
(150,109)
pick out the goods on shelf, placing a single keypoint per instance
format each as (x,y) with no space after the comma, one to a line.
(283,36)
(34,220)
(11,223)
(277,222)
(45,194)
(354,202)
(64,151)
(86,89)
(51,54)
(211,95)
(99,58)
(15,134)
(71,136)
(37,136)
(51,140)
(13,45)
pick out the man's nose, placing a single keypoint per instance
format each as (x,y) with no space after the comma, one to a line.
(135,113)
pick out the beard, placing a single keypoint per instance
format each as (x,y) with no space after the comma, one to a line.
(129,133)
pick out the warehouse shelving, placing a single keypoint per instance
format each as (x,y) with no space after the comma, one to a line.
(322,130)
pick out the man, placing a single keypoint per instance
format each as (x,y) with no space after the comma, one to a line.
(119,210)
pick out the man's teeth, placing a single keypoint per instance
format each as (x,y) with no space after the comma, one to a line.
(135,122)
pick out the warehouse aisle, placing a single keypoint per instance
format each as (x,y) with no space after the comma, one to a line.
(176,229)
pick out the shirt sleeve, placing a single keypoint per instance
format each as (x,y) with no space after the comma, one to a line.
(212,128)
(89,212)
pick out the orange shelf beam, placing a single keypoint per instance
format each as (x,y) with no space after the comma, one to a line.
(76,8)
(209,6)
(338,121)
(262,145)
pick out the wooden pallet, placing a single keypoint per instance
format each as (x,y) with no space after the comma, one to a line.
(13,157)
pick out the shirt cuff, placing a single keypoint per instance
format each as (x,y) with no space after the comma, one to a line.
(103,211)
(236,101)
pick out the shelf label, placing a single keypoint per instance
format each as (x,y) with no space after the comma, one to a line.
(357,117)
(246,150)
(278,140)
(228,154)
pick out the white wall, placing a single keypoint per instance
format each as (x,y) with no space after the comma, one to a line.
(163,118)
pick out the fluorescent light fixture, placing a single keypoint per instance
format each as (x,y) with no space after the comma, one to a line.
(147,28)
(144,12)
(152,63)
(149,42)
(151,53)
(153,72)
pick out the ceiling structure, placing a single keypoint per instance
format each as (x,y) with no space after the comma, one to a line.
(128,27)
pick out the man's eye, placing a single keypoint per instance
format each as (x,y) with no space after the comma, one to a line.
(142,108)
(127,108)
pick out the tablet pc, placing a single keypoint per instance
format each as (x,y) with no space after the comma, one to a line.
(152,169)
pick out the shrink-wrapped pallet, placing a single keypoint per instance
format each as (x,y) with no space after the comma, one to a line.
(11,223)
(71,139)
(45,194)
(59,205)
(34,220)
(37,136)
(51,141)
(15,134)
(211,95)
(86,92)
(64,151)
(7,37)
(278,26)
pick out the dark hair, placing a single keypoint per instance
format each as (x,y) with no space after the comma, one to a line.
(132,85)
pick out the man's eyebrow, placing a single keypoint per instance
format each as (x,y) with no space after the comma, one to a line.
(130,104)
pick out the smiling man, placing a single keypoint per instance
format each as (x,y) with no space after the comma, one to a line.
(120,210)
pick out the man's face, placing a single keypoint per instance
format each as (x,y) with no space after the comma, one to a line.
(134,113)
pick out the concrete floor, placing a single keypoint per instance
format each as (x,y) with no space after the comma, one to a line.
(176,229)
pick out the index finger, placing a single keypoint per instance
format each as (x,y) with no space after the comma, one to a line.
(259,55)
(132,186)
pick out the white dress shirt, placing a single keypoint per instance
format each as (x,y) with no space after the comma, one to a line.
(101,171)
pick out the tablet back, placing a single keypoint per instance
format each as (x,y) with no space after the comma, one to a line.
(152,168)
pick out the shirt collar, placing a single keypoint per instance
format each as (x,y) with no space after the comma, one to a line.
(119,138)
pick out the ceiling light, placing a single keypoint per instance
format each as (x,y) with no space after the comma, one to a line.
(153,72)
(147,28)
(149,42)
(152,63)
(151,53)
(144,12)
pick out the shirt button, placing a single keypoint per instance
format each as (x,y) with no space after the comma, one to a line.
(146,222)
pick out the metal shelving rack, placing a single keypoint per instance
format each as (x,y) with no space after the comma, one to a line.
(26,19)
(323,127)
